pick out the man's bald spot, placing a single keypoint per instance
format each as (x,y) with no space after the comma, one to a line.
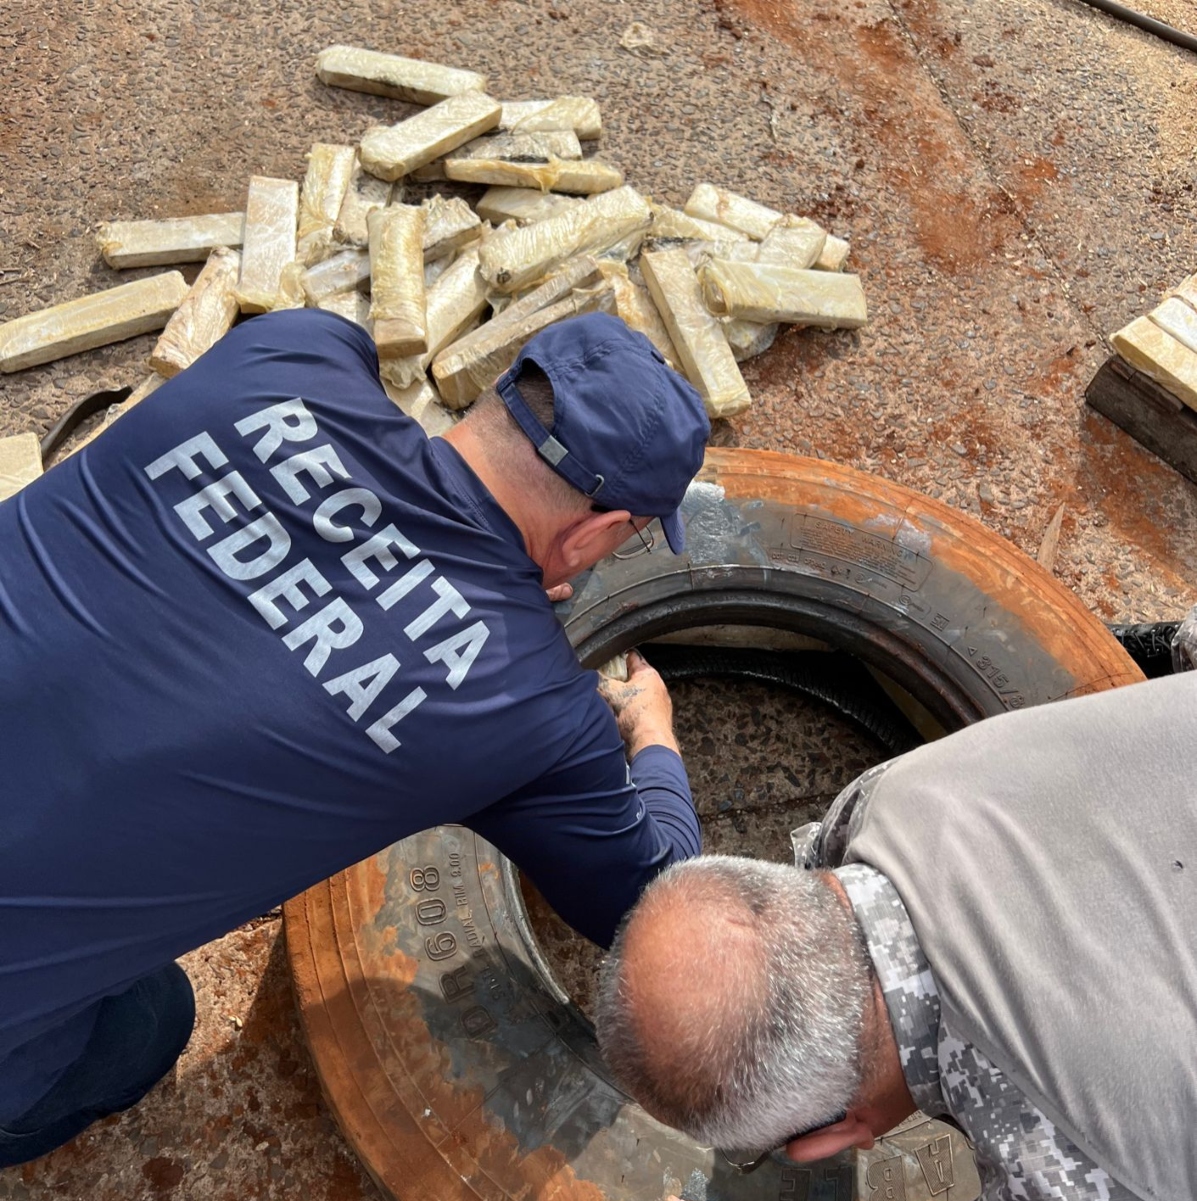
(692,964)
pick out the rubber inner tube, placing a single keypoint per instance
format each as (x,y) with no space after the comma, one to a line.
(79,412)
(838,680)
(1132,16)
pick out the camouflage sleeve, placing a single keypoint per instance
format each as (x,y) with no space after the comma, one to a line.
(821,845)
(1020,1154)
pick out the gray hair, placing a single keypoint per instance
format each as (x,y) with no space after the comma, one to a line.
(510,449)
(742,1023)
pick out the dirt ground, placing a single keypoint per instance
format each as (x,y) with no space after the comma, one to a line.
(1017,180)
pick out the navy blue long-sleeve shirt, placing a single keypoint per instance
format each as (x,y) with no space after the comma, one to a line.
(259,630)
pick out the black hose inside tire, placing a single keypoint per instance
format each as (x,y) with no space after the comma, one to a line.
(78,413)
(1149,644)
(836,679)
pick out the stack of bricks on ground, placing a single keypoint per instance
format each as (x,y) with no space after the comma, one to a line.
(1163,345)
(454,290)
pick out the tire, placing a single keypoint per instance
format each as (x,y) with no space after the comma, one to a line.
(455,1064)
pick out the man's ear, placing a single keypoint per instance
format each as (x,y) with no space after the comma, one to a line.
(591,538)
(851,1131)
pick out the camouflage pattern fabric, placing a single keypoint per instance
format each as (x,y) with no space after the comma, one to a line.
(1020,1155)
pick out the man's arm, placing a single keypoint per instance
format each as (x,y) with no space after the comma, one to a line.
(595,830)
(642,708)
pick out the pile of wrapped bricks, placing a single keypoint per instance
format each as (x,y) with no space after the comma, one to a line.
(1163,345)
(450,291)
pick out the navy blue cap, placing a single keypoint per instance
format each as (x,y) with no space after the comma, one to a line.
(628,431)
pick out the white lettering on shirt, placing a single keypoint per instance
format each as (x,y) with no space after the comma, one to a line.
(224,553)
(353,684)
(183,457)
(380,731)
(319,628)
(261,546)
(289,421)
(472,639)
(370,505)
(448,599)
(405,583)
(377,547)
(286,587)
(313,463)
(215,497)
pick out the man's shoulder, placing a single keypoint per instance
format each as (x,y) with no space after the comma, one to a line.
(1019,1150)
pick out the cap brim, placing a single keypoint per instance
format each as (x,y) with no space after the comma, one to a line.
(675,532)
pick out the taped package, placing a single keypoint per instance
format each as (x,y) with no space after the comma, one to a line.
(204,317)
(344,272)
(768,292)
(635,307)
(391,151)
(706,358)
(671,225)
(409,79)
(1144,345)
(743,251)
(397,280)
(579,177)
(579,113)
(461,375)
(90,321)
(436,268)
(510,147)
(271,220)
(834,255)
(1178,319)
(453,369)
(522,205)
(515,257)
(453,303)
(290,294)
(353,306)
(710,203)
(793,242)
(324,186)
(449,224)
(747,339)
(363,194)
(171,240)
(20,463)
(420,402)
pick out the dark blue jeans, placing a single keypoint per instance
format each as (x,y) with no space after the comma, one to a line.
(137,1038)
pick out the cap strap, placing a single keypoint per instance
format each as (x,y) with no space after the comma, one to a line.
(556,454)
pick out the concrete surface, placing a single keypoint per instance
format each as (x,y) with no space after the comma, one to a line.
(1017,181)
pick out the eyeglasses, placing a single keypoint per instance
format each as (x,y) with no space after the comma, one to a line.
(646,544)
(744,1167)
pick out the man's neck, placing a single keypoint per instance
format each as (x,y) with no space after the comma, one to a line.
(465,440)
(886,1099)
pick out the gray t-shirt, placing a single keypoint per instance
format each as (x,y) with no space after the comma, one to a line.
(1048,861)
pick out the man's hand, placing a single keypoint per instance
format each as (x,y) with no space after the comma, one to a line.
(560,592)
(642,708)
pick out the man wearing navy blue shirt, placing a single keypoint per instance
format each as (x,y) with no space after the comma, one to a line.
(264,627)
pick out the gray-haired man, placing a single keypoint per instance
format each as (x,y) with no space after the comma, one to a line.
(1007,936)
